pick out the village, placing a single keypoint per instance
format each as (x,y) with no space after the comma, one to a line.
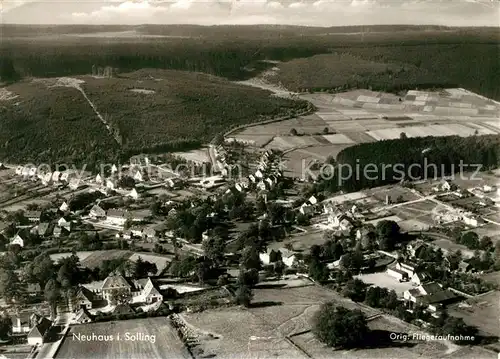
(143,241)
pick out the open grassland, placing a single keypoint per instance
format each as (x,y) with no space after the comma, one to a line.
(161,262)
(380,345)
(96,258)
(166,345)
(482,312)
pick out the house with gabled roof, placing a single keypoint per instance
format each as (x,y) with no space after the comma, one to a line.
(17,239)
(64,223)
(430,295)
(44,229)
(84,299)
(38,333)
(97,212)
(64,207)
(113,283)
(82,316)
(150,293)
(133,194)
(98,179)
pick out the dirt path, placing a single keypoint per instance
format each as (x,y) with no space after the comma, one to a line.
(76,84)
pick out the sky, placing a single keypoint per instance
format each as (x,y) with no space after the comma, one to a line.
(245,12)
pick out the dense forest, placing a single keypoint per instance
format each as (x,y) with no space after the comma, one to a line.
(182,111)
(389,57)
(391,161)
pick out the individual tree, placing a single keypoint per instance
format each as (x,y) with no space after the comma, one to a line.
(388,233)
(486,243)
(5,327)
(40,270)
(353,261)
(470,240)
(10,288)
(53,295)
(248,277)
(250,258)
(318,271)
(144,268)
(120,296)
(293,132)
(243,295)
(279,268)
(213,248)
(403,136)
(355,289)
(340,327)
(326,131)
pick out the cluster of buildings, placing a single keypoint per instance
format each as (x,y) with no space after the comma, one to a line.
(47,177)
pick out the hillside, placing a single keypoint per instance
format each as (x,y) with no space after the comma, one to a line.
(474,66)
(146,110)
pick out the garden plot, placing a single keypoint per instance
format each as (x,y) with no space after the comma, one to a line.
(81,255)
(394,192)
(346,126)
(289,142)
(431,130)
(95,259)
(359,137)
(338,139)
(332,116)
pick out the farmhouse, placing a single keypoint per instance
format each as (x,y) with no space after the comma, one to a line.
(21,324)
(98,179)
(149,292)
(33,216)
(64,223)
(340,221)
(64,207)
(37,334)
(84,299)
(112,284)
(414,249)
(82,316)
(123,309)
(17,239)
(430,295)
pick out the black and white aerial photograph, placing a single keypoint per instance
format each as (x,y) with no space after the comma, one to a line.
(249,179)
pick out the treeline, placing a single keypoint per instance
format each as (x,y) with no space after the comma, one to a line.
(375,164)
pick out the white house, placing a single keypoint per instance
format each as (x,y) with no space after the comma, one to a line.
(258,174)
(288,257)
(313,200)
(470,220)
(114,169)
(306,209)
(133,194)
(111,184)
(98,179)
(37,334)
(252,178)
(261,186)
(64,223)
(430,295)
(138,176)
(64,207)
(17,239)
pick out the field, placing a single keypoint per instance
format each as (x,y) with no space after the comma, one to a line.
(167,344)
(287,313)
(482,311)
(380,345)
